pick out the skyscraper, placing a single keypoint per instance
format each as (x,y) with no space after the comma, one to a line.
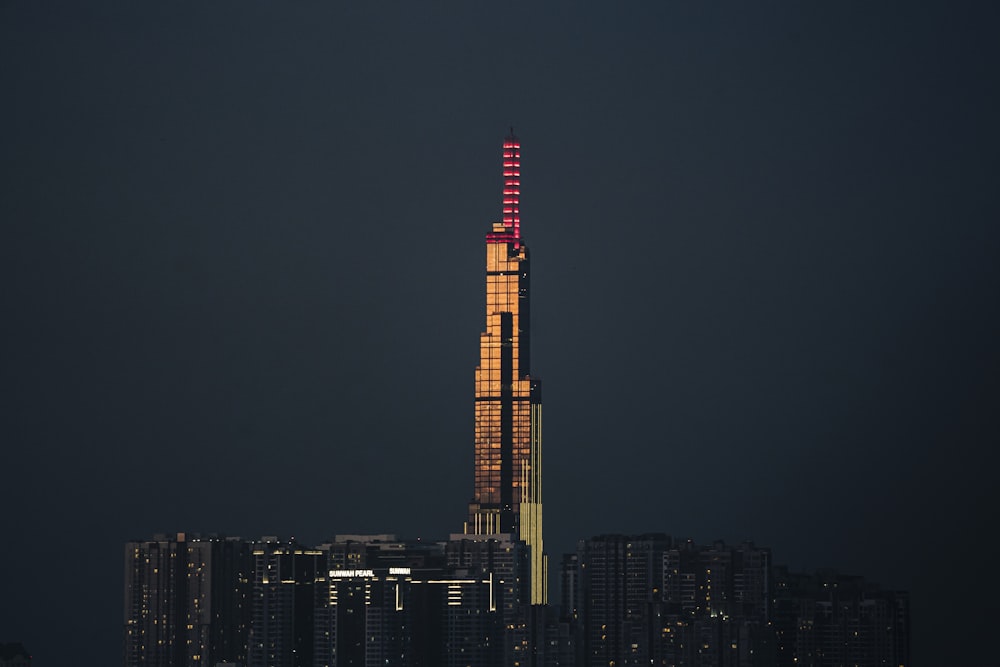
(186,601)
(507,495)
(650,599)
(290,625)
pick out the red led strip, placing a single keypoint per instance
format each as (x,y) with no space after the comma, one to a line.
(512,185)
(511,194)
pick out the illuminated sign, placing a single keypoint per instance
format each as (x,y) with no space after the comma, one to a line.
(351,573)
(399,570)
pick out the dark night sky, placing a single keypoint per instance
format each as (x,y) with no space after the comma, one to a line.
(243,271)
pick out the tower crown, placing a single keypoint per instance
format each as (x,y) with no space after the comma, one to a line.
(509,229)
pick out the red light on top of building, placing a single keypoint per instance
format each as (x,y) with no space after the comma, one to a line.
(511,209)
(511,186)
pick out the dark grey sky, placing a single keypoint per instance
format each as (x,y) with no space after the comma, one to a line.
(242,262)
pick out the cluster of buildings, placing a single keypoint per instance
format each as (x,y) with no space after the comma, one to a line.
(357,600)
(466,602)
(480,597)
(654,600)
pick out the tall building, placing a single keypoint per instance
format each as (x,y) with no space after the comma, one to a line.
(507,491)
(186,601)
(618,577)
(290,621)
(419,604)
(648,599)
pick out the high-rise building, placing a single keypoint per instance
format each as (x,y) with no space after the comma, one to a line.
(290,621)
(419,604)
(649,599)
(825,618)
(617,577)
(507,492)
(186,601)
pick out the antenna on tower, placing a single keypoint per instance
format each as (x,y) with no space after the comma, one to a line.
(511,220)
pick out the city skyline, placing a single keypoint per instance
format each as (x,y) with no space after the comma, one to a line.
(362,599)
(243,275)
(480,597)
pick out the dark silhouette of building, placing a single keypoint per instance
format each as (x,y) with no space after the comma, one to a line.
(389,599)
(717,599)
(507,483)
(186,601)
(290,624)
(824,619)
(648,599)
(454,603)
(618,580)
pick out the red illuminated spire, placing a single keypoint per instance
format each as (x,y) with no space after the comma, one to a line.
(509,231)
(512,184)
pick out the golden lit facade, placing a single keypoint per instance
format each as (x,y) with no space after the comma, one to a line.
(507,495)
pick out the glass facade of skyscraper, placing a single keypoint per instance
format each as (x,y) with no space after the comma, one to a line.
(507,495)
